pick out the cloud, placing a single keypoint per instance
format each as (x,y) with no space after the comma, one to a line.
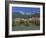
(28,13)
(24,13)
(21,12)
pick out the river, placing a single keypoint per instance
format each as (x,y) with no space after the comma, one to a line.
(25,27)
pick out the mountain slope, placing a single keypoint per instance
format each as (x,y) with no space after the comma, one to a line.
(19,15)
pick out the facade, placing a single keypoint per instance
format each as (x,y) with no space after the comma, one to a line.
(22,21)
(36,20)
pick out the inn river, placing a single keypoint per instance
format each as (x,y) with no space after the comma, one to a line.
(25,27)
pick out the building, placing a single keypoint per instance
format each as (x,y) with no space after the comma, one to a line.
(36,20)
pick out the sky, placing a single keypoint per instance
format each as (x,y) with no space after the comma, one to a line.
(25,10)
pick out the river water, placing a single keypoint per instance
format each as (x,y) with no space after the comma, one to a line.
(25,27)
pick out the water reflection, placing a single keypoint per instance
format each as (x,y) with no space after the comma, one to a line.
(24,27)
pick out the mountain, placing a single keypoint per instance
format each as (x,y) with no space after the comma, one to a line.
(19,15)
(36,14)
